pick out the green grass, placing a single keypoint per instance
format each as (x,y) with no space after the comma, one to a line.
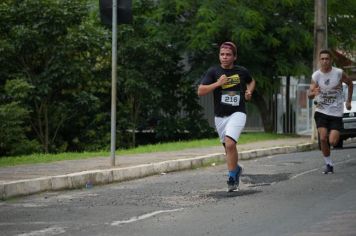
(160,147)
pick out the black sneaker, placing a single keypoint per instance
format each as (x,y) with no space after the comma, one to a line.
(328,169)
(231,184)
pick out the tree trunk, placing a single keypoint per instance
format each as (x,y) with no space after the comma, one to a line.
(46,124)
(265,111)
(41,125)
(134,112)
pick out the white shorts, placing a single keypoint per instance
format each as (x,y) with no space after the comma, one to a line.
(230,126)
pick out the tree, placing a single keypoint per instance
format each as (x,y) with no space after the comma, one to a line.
(261,31)
(13,115)
(274,38)
(54,48)
(341,26)
(56,53)
(152,92)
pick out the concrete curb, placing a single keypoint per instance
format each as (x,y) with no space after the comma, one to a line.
(99,177)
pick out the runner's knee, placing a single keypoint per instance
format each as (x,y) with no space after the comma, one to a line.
(230,144)
(323,138)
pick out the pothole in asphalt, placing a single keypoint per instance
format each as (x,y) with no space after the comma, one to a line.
(186,200)
(263,179)
(290,163)
(250,181)
(351,163)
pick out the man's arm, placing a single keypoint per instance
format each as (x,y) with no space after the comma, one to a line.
(250,87)
(205,89)
(313,90)
(345,79)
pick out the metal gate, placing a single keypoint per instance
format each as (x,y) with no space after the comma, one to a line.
(304,116)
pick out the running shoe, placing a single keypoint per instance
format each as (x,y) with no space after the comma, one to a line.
(239,173)
(328,169)
(231,184)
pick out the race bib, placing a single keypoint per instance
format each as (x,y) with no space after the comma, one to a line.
(328,98)
(231,98)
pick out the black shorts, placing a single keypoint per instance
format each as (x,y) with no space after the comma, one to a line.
(326,121)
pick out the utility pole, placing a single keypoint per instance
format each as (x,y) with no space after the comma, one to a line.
(320,42)
(112,13)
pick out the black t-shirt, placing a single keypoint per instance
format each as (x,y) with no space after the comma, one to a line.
(230,97)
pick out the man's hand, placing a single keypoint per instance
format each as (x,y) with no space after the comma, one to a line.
(248,95)
(222,80)
(313,91)
(348,105)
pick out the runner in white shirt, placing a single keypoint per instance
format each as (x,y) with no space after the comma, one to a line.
(326,89)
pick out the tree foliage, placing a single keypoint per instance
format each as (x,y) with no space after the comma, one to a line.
(274,38)
(60,49)
(55,66)
(13,116)
(341,26)
(152,90)
(54,48)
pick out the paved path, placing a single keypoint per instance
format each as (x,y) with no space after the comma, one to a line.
(30,179)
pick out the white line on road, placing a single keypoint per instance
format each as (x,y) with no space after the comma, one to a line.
(45,232)
(26,223)
(303,173)
(142,217)
(309,171)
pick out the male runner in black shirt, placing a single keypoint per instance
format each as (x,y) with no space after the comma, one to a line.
(232,86)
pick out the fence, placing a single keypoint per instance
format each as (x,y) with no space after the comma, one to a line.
(293,115)
(253,123)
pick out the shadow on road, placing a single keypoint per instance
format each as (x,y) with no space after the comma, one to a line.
(224,194)
(263,179)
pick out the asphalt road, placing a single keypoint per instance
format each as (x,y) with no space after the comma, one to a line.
(279,195)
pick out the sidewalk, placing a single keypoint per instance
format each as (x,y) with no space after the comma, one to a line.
(29,179)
